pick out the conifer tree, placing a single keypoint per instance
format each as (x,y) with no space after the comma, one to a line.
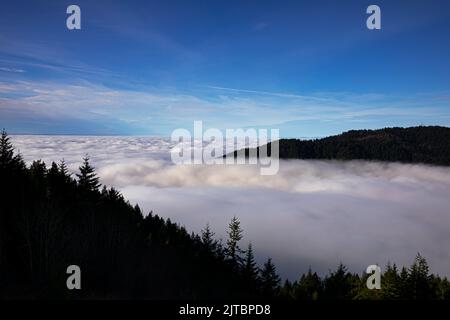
(54,169)
(270,280)
(250,270)
(63,170)
(7,158)
(390,289)
(309,286)
(138,211)
(87,178)
(338,284)
(287,290)
(38,169)
(6,150)
(404,284)
(443,289)
(234,236)
(207,237)
(419,279)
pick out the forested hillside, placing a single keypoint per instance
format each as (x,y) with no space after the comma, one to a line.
(49,220)
(412,145)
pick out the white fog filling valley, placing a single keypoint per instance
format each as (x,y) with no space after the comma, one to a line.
(311,214)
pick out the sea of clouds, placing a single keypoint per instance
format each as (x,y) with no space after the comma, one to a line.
(311,214)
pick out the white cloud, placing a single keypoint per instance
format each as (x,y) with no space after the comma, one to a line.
(6,69)
(313,213)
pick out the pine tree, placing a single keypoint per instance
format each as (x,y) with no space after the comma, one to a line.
(54,177)
(391,289)
(62,168)
(250,270)
(270,280)
(234,236)
(138,211)
(443,289)
(309,286)
(419,279)
(6,150)
(338,285)
(38,169)
(207,237)
(7,158)
(404,285)
(87,178)
(287,290)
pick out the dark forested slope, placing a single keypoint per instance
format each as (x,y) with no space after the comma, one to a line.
(49,221)
(415,145)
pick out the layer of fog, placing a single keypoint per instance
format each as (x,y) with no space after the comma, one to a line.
(313,213)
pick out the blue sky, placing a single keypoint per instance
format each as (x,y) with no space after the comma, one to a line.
(309,68)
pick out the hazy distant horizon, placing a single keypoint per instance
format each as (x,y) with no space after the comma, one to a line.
(168,137)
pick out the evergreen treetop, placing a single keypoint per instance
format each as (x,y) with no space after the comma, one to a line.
(87,178)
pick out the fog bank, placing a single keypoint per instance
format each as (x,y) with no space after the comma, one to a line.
(312,213)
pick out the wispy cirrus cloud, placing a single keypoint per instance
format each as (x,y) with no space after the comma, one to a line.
(7,69)
(158,112)
(267,93)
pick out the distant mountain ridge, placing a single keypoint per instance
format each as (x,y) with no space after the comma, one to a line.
(422,144)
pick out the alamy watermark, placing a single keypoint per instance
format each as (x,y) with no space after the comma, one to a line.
(374,279)
(73,22)
(74,279)
(211,147)
(373,22)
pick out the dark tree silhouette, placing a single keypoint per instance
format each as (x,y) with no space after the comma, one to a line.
(63,170)
(309,287)
(6,150)
(207,237)
(234,236)
(9,161)
(250,269)
(420,282)
(87,178)
(270,279)
(338,285)
(391,283)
